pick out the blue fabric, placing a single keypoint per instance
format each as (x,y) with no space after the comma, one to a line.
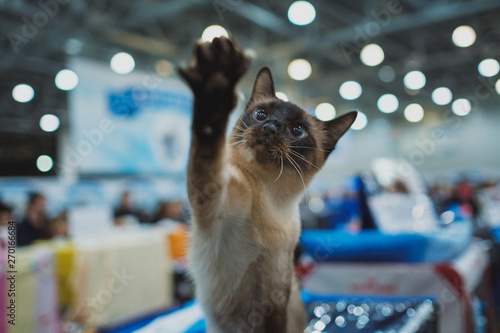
(308,297)
(496,234)
(372,245)
(199,327)
(369,245)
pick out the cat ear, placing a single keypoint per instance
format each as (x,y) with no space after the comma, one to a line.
(264,86)
(337,127)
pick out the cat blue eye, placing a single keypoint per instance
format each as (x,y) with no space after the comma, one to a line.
(260,115)
(298,131)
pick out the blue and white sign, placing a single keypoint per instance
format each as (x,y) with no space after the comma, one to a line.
(137,123)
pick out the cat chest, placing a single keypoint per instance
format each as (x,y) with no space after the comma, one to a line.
(238,245)
(275,229)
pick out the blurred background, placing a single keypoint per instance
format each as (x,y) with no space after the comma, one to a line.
(94,139)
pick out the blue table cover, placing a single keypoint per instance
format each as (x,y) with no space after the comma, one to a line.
(373,246)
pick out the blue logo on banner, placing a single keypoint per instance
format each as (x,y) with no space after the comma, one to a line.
(127,103)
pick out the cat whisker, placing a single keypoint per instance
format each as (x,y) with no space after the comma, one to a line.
(303,158)
(297,167)
(297,164)
(239,127)
(244,124)
(297,153)
(281,170)
(326,151)
(238,142)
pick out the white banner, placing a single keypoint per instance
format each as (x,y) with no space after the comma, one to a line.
(137,123)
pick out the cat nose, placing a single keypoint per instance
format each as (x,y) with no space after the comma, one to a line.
(270,126)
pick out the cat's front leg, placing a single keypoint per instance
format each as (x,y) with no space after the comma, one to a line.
(217,68)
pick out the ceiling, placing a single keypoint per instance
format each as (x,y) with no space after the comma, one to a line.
(415,34)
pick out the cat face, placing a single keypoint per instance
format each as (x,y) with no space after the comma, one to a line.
(279,134)
(274,129)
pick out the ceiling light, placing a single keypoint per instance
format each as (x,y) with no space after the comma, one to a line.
(360,122)
(497,86)
(442,96)
(282,96)
(461,107)
(122,63)
(325,112)
(301,13)
(23,93)
(299,69)
(463,36)
(488,67)
(414,113)
(371,55)
(49,123)
(350,90)
(66,80)
(414,80)
(386,74)
(73,46)
(44,163)
(213,31)
(388,103)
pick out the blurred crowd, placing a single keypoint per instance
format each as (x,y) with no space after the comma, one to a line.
(463,194)
(343,210)
(35,223)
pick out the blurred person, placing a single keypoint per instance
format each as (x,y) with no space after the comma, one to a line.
(33,225)
(397,186)
(464,192)
(58,226)
(125,206)
(169,217)
(441,195)
(464,196)
(5,214)
(172,210)
(126,212)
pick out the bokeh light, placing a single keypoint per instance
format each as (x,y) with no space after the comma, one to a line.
(44,163)
(371,55)
(66,79)
(414,80)
(461,107)
(360,122)
(414,113)
(488,67)
(49,123)
(23,93)
(213,31)
(463,36)
(122,63)
(388,103)
(386,74)
(281,95)
(350,90)
(299,69)
(325,111)
(442,96)
(301,13)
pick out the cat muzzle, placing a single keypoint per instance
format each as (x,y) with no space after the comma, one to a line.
(270,126)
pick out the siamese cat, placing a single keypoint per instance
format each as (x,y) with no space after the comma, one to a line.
(244,191)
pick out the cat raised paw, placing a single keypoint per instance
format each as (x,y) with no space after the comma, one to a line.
(217,68)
